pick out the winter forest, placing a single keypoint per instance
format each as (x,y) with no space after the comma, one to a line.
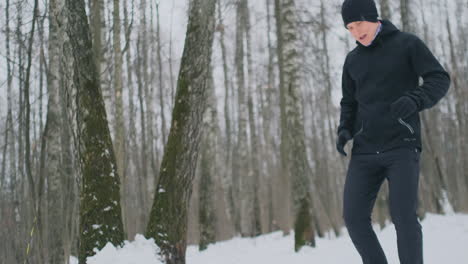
(196,121)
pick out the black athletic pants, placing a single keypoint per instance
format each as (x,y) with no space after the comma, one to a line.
(366,173)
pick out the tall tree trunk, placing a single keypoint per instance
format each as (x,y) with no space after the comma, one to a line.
(100,212)
(160,78)
(221,29)
(455,76)
(254,159)
(228,175)
(208,170)
(242,176)
(168,219)
(268,134)
(143,166)
(331,208)
(293,152)
(132,160)
(119,126)
(27,134)
(68,144)
(52,135)
(148,92)
(98,33)
(284,220)
(171,72)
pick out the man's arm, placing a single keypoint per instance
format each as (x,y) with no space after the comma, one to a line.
(436,79)
(348,102)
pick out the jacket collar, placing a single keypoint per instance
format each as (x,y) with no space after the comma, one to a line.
(387,29)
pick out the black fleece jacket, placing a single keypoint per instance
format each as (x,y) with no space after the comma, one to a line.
(375,76)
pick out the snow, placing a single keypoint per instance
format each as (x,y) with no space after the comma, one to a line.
(140,251)
(445,240)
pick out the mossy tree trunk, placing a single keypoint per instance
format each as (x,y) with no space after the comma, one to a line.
(100,211)
(293,152)
(168,218)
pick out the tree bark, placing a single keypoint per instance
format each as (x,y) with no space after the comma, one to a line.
(293,152)
(119,127)
(52,136)
(168,219)
(100,211)
(208,170)
(242,167)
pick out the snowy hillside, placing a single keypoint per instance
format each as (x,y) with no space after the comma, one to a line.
(445,241)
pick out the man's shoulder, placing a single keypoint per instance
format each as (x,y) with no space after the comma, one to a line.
(407,39)
(408,36)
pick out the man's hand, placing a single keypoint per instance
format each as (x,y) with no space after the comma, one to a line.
(403,107)
(343,137)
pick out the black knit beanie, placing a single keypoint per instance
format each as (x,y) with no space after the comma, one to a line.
(358,10)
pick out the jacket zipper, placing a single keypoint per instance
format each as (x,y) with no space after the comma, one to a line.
(406,124)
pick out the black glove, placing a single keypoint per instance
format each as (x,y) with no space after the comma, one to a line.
(403,107)
(343,137)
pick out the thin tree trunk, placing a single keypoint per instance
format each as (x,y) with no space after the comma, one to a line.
(171,73)
(242,167)
(227,118)
(161,82)
(148,93)
(68,144)
(133,159)
(208,169)
(228,175)
(143,172)
(267,117)
(27,122)
(119,126)
(254,158)
(9,82)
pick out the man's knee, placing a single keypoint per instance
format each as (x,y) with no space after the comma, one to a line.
(403,221)
(353,218)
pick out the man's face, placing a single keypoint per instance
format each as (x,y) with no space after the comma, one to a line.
(363,31)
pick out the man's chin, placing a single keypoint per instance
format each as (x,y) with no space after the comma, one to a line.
(364,43)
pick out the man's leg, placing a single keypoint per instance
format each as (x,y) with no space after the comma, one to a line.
(403,176)
(363,181)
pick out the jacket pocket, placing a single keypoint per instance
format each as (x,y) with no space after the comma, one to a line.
(408,126)
(360,130)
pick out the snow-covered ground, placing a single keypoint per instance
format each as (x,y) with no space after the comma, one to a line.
(445,241)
